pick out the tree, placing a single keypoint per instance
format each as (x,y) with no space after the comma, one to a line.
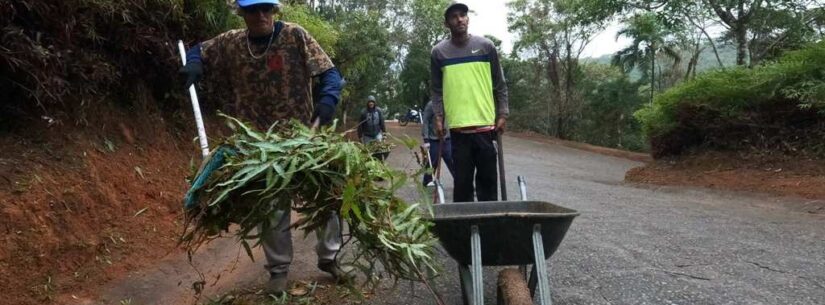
(695,19)
(427,19)
(737,15)
(364,63)
(783,26)
(650,37)
(610,100)
(554,30)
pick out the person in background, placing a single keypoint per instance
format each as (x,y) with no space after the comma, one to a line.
(268,68)
(371,124)
(435,145)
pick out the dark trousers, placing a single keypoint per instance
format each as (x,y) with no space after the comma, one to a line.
(446,155)
(474,159)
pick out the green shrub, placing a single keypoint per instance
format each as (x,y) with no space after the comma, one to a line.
(796,80)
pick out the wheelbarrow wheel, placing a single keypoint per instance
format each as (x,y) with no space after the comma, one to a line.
(466,284)
(512,288)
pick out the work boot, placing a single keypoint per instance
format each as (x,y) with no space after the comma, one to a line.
(333,269)
(276,285)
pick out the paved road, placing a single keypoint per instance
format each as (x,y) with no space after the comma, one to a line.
(631,244)
(662,245)
(225,268)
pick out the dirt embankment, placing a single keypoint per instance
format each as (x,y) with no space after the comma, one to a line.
(787,176)
(81,205)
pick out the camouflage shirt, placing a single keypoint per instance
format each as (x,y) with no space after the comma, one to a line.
(274,87)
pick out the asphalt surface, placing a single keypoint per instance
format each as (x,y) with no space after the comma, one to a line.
(635,244)
(632,244)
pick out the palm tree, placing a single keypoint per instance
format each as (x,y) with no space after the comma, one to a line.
(650,37)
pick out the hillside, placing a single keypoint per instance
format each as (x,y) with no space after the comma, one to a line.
(82,205)
(96,138)
(754,129)
(707,59)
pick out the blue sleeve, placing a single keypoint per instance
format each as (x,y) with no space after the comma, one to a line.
(194,54)
(331,85)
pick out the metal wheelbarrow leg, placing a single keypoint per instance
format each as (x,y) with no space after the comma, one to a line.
(472,281)
(546,224)
(472,278)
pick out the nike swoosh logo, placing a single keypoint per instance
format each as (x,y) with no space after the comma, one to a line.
(476,51)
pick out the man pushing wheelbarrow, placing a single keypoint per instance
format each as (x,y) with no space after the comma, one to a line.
(469,92)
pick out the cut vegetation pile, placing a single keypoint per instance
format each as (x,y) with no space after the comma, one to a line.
(778,108)
(317,174)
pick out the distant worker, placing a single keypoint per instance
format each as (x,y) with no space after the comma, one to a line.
(371,124)
(468,90)
(436,146)
(268,68)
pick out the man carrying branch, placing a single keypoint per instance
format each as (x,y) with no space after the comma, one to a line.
(468,90)
(268,69)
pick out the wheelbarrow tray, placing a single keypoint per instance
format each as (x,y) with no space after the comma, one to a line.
(382,155)
(506,229)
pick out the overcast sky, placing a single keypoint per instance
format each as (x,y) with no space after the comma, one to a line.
(490,17)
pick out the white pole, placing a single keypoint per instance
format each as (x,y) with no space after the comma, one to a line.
(195,106)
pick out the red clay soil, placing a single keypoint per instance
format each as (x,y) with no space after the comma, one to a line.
(83,205)
(775,175)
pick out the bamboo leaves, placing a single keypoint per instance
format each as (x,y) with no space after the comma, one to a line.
(317,174)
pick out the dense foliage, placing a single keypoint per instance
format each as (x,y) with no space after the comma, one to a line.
(671,42)
(714,107)
(60,57)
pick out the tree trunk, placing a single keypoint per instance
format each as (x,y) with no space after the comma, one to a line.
(652,71)
(715,51)
(560,127)
(569,87)
(694,61)
(619,131)
(555,82)
(694,58)
(738,24)
(741,33)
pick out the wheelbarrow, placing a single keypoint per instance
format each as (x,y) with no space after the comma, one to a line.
(502,233)
(381,155)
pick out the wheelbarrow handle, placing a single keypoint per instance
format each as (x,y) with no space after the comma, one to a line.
(501,173)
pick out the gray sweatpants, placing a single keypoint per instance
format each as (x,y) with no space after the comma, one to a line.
(277,244)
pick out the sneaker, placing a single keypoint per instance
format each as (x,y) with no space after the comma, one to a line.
(276,285)
(333,269)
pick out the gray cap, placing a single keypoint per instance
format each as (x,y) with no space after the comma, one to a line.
(370,98)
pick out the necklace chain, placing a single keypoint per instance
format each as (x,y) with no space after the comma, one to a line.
(249,45)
